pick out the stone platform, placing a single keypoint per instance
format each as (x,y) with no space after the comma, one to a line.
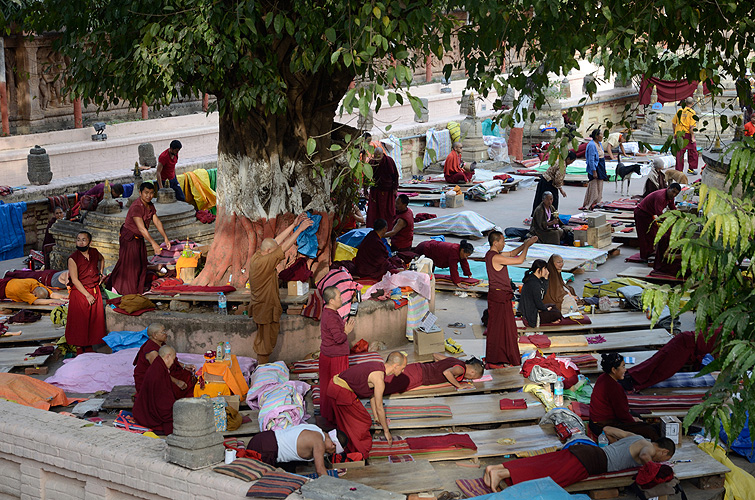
(299,336)
(178,219)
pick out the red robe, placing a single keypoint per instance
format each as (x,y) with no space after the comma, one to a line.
(382,203)
(453,169)
(445,254)
(652,204)
(502,344)
(561,466)
(372,260)
(609,406)
(153,407)
(141,365)
(419,374)
(86,323)
(130,272)
(334,357)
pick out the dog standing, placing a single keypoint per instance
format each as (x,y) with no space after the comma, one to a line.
(625,173)
(673,175)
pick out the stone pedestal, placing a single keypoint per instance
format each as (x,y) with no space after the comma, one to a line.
(108,205)
(424,116)
(166,195)
(147,155)
(471,134)
(365,122)
(194,443)
(39,166)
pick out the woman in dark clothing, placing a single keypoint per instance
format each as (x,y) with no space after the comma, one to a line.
(531,305)
(609,405)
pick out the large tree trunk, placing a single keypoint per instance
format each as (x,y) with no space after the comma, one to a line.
(264,177)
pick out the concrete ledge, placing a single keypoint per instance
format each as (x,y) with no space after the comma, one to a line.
(49,456)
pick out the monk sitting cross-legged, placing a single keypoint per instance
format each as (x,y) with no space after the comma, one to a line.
(182,377)
(443,369)
(373,259)
(153,407)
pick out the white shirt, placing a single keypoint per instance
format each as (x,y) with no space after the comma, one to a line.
(287,440)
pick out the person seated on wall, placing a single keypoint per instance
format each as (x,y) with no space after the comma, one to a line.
(531,306)
(373,259)
(402,234)
(609,405)
(153,407)
(300,443)
(443,369)
(580,461)
(30,291)
(181,376)
(448,255)
(559,293)
(58,214)
(545,223)
(455,170)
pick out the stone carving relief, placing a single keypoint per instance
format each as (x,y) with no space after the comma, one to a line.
(50,65)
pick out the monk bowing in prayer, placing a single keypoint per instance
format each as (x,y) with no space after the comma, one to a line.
(265,305)
(182,376)
(129,275)
(443,369)
(647,211)
(501,347)
(382,201)
(449,255)
(85,326)
(153,407)
(365,381)
(455,170)
(373,259)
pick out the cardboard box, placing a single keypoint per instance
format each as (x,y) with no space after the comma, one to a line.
(298,288)
(429,343)
(454,200)
(233,401)
(671,427)
(597,237)
(595,220)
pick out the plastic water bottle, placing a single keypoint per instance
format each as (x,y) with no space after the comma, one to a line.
(558,391)
(219,351)
(227,350)
(443,200)
(602,440)
(222,303)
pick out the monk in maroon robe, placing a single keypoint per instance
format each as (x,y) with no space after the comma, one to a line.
(130,272)
(334,347)
(444,369)
(445,254)
(382,202)
(455,171)
(647,211)
(373,259)
(86,314)
(153,407)
(182,378)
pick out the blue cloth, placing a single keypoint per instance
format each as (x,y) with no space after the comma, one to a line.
(118,341)
(742,445)
(537,489)
(438,238)
(306,242)
(354,237)
(12,235)
(128,189)
(480,272)
(564,219)
(488,128)
(588,442)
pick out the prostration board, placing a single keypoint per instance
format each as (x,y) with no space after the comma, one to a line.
(19,356)
(643,273)
(403,477)
(598,323)
(39,331)
(473,409)
(503,379)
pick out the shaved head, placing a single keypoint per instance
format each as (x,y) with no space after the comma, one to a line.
(395,358)
(155,329)
(168,354)
(268,245)
(41,293)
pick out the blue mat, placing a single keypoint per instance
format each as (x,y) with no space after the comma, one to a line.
(480,272)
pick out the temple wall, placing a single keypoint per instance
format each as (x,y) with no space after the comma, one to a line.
(47,456)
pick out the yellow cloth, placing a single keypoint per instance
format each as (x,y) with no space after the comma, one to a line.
(199,184)
(454,130)
(22,290)
(739,484)
(187,262)
(183,180)
(686,122)
(212,389)
(344,252)
(231,373)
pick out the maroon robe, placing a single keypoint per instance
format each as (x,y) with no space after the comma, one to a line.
(86,323)
(142,364)
(334,357)
(153,407)
(373,259)
(382,202)
(445,254)
(502,345)
(130,272)
(652,204)
(419,374)
(609,407)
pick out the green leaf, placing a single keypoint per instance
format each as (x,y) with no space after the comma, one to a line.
(278,23)
(311,145)
(330,34)
(347,58)
(335,147)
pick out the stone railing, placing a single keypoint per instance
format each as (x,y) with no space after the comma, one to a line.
(44,455)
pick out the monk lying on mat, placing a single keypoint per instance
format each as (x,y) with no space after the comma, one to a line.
(443,369)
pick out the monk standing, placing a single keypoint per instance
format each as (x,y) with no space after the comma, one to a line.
(334,346)
(454,169)
(182,377)
(502,346)
(153,407)
(85,326)
(365,380)
(265,305)
(402,234)
(130,272)
(382,201)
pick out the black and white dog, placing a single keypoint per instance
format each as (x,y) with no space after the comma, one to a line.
(625,173)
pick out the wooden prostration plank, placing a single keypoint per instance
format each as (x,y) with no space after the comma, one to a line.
(120,398)
(474,409)
(403,477)
(643,273)
(40,331)
(503,379)
(636,340)
(599,323)
(18,356)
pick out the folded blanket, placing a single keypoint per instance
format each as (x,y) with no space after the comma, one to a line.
(687,379)
(513,404)
(539,341)
(668,402)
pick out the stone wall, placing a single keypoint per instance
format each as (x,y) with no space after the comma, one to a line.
(47,456)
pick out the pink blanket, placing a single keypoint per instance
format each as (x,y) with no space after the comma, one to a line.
(419,282)
(93,371)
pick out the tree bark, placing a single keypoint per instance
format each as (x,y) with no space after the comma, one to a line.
(265,178)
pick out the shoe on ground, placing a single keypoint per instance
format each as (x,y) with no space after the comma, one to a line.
(692,172)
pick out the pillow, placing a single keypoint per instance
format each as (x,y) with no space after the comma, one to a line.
(246,469)
(276,485)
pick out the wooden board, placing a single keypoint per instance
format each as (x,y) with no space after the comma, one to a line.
(701,465)
(472,409)
(403,477)
(599,323)
(640,357)
(7,304)
(18,356)
(643,273)
(447,287)
(503,379)
(247,428)
(237,296)
(120,398)
(40,331)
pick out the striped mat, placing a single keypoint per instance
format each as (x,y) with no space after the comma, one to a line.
(400,412)
(473,487)
(665,402)
(534,453)
(313,365)
(687,379)
(381,449)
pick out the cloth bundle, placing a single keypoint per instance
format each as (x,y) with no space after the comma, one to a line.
(279,400)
